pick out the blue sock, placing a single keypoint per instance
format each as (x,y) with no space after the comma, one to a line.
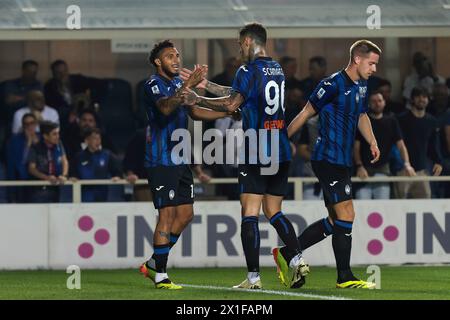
(251,242)
(286,232)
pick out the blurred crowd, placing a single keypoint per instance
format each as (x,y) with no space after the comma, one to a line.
(80,127)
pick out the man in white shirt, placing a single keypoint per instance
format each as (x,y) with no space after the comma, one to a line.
(36,106)
(423,75)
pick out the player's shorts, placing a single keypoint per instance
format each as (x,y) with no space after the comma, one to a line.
(252,181)
(335,181)
(171,185)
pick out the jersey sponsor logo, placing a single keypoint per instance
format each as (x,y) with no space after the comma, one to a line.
(274,124)
(155,89)
(159,188)
(320,93)
(333,183)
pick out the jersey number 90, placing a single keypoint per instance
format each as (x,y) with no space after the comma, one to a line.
(274,97)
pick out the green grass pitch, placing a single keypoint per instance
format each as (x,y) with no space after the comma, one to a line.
(405,282)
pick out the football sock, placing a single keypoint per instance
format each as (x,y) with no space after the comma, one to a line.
(173,239)
(160,277)
(286,232)
(295,261)
(160,254)
(253,277)
(251,242)
(313,234)
(342,246)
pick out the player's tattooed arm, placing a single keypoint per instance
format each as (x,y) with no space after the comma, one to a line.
(167,105)
(298,122)
(217,90)
(227,104)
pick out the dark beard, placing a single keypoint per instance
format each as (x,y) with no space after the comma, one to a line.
(170,74)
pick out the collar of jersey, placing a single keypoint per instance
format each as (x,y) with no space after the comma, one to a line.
(347,78)
(167,81)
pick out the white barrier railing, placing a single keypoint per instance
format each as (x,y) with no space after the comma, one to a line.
(297,181)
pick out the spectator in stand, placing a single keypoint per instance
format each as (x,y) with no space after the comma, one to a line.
(73,137)
(422,76)
(225,78)
(440,108)
(17,152)
(440,102)
(61,91)
(36,106)
(95,163)
(387,133)
(228,170)
(306,142)
(445,142)
(15,91)
(289,66)
(133,166)
(420,133)
(317,71)
(295,99)
(395,107)
(47,161)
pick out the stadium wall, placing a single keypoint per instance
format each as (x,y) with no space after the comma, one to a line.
(118,235)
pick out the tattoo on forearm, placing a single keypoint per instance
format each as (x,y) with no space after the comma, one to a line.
(217,90)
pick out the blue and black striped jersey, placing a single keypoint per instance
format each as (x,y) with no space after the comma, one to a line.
(261,83)
(339,102)
(159,145)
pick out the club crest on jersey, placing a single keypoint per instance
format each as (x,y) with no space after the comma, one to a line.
(347,189)
(320,93)
(362,92)
(178,85)
(102,163)
(155,90)
(171,194)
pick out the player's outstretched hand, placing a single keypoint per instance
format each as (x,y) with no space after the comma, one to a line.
(196,78)
(375,153)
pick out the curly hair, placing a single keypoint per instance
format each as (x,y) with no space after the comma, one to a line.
(158,47)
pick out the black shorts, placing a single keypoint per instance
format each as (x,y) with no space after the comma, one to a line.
(252,181)
(171,185)
(335,181)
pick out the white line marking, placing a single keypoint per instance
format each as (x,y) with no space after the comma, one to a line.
(280,293)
